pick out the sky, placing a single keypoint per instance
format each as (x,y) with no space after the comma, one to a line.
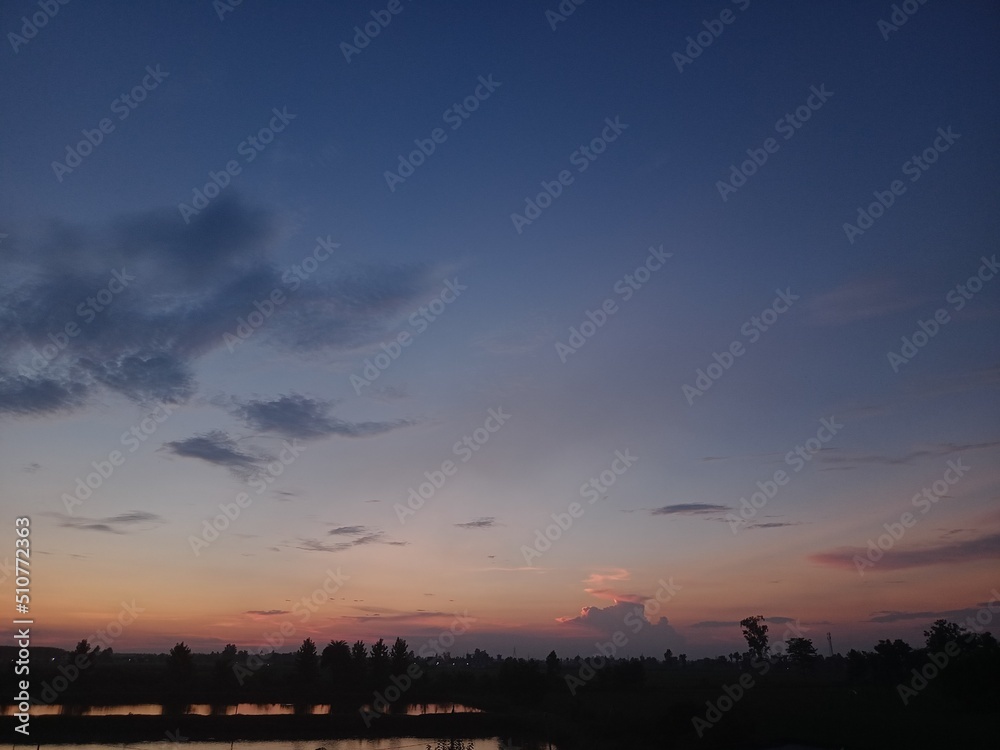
(500,325)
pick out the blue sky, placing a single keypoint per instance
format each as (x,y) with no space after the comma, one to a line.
(887,97)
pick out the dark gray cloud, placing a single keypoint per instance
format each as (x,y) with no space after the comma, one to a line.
(771,524)
(650,638)
(985,547)
(888,615)
(146,296)
(735,623)
(348,531)
(219,448)
(938,450)
(267,612)
(690,509)
(483,522)
(363,535)
(296,416)
(33,397)
(123,523)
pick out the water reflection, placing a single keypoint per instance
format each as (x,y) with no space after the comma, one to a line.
(384,743)
(241,709)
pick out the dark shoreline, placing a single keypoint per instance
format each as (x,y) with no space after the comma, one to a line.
(118,729)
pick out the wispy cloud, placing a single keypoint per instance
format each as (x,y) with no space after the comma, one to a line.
(690,509)
(861,299)
(348,531)
(217,447)
(362,536)
(483,522)
(186,285)
(123,523)
(735,623)
(296,416)
(937,450)
(985,547)
(888,615)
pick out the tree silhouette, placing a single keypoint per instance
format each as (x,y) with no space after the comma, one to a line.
(399,656)
(378,659)
(894,658)
(179,663)
(180,657)
(801,651)
(359,660)
(756,635)
(306,660)
(941,633)
(552,663)
(223,669)
(336,660)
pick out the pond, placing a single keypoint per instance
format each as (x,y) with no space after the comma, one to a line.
(385,743)
(241,709)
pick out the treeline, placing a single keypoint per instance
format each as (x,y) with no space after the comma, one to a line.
(962,662)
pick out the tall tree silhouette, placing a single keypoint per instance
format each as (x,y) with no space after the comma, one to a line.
(941,633)
(399,656)
(379,660)
(552,663)
(336,660)
(306,660)
(755,633)
(359,660)
(179,660)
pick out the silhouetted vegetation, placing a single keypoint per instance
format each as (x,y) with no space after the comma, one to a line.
(791,692)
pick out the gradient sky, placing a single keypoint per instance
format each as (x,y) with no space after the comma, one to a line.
(160,345)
